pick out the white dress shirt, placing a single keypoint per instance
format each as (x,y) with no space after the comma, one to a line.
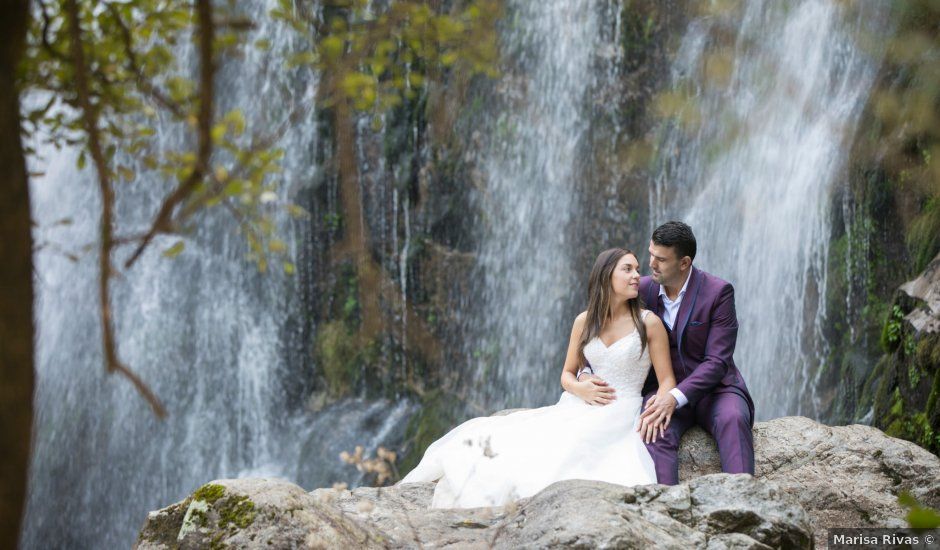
(670,314)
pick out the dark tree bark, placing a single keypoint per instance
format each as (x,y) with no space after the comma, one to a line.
(16,283)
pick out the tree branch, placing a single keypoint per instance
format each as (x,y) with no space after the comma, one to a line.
(90,122)
(163,221)
(133,65)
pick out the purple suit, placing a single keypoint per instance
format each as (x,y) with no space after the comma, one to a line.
(702,347)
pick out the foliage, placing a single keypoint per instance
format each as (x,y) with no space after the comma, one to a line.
(101,76)
(378,58)
(918,515)
(905,106)
(137,79)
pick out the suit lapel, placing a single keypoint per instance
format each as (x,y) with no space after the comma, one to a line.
(688,303)
(653,302)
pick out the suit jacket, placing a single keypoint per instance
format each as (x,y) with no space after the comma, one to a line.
(704,333)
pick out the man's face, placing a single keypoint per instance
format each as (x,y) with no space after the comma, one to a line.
(667,268)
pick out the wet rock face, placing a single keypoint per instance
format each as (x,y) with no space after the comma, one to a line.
(925,289)
(903,391)
(809,477)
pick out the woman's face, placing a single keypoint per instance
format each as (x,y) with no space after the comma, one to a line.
(625,280)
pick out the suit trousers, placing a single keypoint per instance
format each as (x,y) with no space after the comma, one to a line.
(726,417)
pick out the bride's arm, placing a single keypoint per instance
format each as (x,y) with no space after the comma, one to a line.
(660,407)
(658,342)
(593,390)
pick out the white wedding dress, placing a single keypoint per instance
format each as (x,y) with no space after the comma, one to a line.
(493,460)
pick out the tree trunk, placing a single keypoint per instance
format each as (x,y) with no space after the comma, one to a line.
(355,242)
(372,278)
(16,284)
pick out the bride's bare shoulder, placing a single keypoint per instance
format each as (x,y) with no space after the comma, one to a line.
(579,320)
(650,319)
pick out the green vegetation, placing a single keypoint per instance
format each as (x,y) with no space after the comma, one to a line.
(889,232)
(908,389)
(436,417)
(210,492)
(918,515)
(336,350)
(237,511)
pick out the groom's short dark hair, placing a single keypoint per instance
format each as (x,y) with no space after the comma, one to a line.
(678,236)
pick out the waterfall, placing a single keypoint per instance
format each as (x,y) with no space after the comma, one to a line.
(775,91)
(769,118)
(530,200)
(225,347)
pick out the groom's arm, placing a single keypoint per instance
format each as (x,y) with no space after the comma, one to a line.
(719,349)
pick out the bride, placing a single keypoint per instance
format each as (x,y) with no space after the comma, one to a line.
(593,432)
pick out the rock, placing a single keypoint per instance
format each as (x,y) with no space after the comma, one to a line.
(841,475)
(254,512)
(809,477)
(926,289)
(902,393)
(734,510)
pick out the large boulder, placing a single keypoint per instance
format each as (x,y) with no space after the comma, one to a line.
(713,511)
(843,476)
(809,477)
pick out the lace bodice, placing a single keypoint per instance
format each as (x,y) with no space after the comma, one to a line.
(620,364)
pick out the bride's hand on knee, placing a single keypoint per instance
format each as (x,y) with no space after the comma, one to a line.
(656,416)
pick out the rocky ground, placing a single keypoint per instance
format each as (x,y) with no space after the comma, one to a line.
(809,477)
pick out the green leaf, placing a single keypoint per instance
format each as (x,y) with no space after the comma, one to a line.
(218,132)
(174,250)
(234,187)
(81,160)
(331,46)
(126,173)
(277,245)
(288,268)
(235,120)
(923,518)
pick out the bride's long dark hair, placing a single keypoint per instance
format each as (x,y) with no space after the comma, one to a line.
(599,295)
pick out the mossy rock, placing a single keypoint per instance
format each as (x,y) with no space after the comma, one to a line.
(435,418)
(336,350)
(163,526)
(908,391)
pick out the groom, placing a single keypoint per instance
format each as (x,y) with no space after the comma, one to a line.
(697,309)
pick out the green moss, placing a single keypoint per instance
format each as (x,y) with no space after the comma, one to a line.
(336,349)
(210,492)
(433,420)
(238,511)
(897,406)
(923,236)
(892,331)
(200,518)
(164,527)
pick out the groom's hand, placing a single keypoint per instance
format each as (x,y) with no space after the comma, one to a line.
(655,418)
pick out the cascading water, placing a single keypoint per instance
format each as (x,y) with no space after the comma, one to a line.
(228,349)
(752,170)
(224,346)
(531,201)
